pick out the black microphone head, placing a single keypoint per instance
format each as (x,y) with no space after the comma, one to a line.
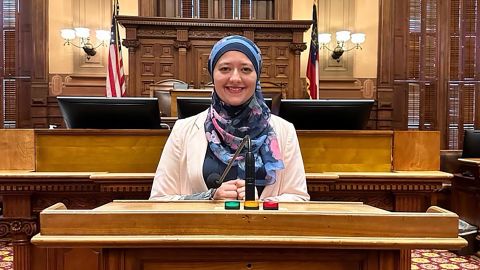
(213,180)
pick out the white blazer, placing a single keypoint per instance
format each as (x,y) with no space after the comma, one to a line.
(179,171)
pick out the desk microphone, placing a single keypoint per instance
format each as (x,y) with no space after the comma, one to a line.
(249,173)
(215,180)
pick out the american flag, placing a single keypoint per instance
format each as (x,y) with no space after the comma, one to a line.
(115,75)
(313,65)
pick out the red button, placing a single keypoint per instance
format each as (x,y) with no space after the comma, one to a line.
(269,205)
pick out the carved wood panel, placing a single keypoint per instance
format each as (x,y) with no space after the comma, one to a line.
(157,62)
(184,46)
(200,60)
(276,58)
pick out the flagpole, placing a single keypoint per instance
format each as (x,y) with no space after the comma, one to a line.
(115,83)
(317,62)
(313,62)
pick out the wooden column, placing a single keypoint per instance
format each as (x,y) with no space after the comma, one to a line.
(131,42)
(18,225)
(147,8)
(297,46)
(385,65)
(410,202)
(443,19)
(405,259)
(283,9)
(182,45)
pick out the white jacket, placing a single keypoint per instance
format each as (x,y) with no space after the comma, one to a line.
(179,171)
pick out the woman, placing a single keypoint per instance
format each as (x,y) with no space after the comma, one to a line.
(202,145)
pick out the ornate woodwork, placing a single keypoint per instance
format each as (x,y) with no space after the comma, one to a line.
(176,48)
(65,168)
(10,227)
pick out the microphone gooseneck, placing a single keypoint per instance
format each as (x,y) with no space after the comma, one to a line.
(219,181)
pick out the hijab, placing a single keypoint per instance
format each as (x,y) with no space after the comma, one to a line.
(227,125)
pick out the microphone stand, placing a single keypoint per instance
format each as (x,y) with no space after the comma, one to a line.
(249,173)
(250,202)
(245,140)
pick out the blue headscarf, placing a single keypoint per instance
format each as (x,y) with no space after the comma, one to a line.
(225,131)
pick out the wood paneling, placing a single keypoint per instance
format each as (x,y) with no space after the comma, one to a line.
(75,150)
(416,151)
(364,151)
(17,149)
(177,48)
(359,151)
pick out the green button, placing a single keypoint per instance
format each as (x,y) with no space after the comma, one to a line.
(232,205)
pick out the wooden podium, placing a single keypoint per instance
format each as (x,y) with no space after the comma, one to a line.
(134,235)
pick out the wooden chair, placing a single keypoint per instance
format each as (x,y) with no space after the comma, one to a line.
(208,86)
(275,91)
(161,90)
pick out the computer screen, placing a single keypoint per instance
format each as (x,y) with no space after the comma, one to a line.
(326,114)
(110,113)
(471,144)
(190,106)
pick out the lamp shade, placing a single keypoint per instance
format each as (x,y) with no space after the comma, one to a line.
(67,34)
(324,38)
(102,35)
(343,36)
(82,32)
(358,38)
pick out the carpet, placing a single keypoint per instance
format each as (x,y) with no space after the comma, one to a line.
(6,257)
(442,259)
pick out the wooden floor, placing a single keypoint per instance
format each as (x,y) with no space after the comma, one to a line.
(421,259)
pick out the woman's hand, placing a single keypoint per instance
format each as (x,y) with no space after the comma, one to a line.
(227,191)
(232,190)
(240,188)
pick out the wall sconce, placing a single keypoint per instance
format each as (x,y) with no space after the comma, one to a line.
(342,37)
(84,35)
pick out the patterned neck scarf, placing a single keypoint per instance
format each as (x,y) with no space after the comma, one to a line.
(226,125)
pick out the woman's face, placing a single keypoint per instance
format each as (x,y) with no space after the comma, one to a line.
(235,78)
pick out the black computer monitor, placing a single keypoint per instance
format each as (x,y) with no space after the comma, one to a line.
(471,144)
(110,113)
(190,106)
(326,114)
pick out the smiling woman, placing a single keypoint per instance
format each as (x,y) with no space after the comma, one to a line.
(235,78)
(201,146)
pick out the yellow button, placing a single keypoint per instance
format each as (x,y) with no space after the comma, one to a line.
(251,205)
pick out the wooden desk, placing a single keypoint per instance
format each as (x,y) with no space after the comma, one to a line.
(202,235)
(393,191)
(87,168)
(466,191)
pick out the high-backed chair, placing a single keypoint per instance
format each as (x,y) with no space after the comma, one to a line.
(208,86)
(275,91)
(471,144)
(161,90)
